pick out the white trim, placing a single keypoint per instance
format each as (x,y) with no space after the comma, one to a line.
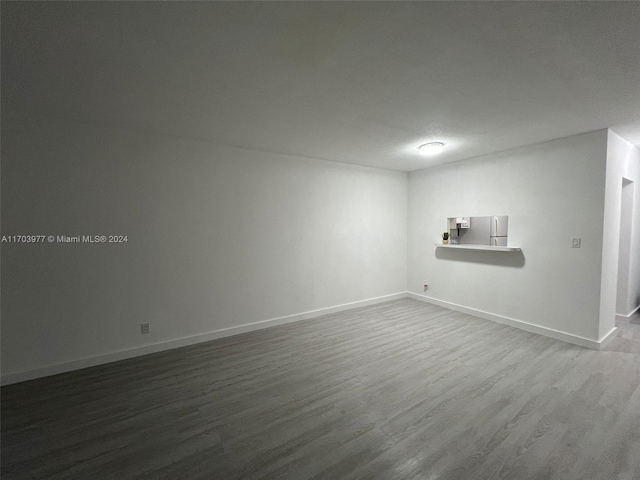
(607,338)
(23,376)
(633,313)
(9,378)
(512,322)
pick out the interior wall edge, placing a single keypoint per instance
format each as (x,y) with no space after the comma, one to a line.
(26,375)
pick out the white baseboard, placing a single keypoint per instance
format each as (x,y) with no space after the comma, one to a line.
(9,378)
(607,338)
(634,313)
(512,322)
(23,376)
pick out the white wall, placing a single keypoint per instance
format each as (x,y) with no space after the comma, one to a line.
(221,237)
(623,162)
(551,192)
(633,298)
(218,237)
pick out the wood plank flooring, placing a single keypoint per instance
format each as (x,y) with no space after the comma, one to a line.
(400,390)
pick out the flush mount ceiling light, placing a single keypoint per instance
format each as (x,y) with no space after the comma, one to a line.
(431,148)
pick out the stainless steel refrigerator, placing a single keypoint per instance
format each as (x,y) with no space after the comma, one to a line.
(499,230)
(489,230)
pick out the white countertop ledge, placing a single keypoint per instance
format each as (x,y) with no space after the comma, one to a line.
(486,248)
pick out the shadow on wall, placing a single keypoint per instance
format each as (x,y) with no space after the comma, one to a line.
(501,259)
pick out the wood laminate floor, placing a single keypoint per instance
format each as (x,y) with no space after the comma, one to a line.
(400,390)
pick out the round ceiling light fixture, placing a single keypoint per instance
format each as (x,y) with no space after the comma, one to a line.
(431,148)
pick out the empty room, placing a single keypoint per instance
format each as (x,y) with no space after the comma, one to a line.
(320,240)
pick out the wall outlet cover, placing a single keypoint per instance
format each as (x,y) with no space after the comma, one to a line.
(144,328)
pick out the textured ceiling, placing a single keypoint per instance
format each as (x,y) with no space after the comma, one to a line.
(356,82)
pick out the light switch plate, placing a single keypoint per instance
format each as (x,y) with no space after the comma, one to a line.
(575,242)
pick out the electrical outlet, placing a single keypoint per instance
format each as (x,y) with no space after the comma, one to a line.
(575,242)
(144,328)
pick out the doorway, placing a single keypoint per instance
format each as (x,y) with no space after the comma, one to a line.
(623,302)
